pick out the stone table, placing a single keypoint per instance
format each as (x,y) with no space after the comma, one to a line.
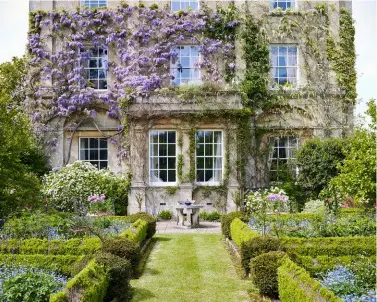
(192,212)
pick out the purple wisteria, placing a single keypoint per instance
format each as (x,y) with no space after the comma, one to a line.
(140,43)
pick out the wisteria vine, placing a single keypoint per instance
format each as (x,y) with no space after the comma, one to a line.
(141,42)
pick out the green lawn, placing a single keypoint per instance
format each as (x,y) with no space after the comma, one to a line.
(190,267)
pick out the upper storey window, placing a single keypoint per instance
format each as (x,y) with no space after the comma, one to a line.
(282,4)
(284,64)
(96,68)
(177,5)
(184,66)
(94,3)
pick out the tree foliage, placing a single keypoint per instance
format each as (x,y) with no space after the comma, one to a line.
(21,161)
(317,161)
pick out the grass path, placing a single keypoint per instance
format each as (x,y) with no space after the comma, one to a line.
(190,267)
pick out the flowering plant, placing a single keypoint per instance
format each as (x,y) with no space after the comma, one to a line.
(263,202)
(98,204)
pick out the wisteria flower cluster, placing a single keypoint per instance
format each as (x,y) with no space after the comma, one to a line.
(140,43)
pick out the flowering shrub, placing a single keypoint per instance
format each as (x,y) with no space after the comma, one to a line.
(314,206)
(344,283)
(264,201)
(22,283)
(69,189)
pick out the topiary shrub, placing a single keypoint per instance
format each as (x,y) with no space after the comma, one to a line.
(119,270)
(148,218)
(227,219)
(123,248)
(263,269)
(137,232)
(255,247)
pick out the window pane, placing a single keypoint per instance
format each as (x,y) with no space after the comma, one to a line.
(164,175)
(93,143)
(200,137)
(200,163)
(171,176)
(171,163)
(200,175)
(171,137)
(209,136)
(171,150)
(103,164)
(163,163)
(218,163)
(208,163)
(217,150)
(154,163)
(209,150)
(84,155)
(84,143)
(163,137)
(162,150)
(154,137)
(103,155)
(93,154)
(208,175)
(103,143)
(154,150)
(200,150)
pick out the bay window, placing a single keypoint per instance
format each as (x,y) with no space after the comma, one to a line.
(209,156)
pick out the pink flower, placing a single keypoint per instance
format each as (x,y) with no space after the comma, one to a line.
(329,200)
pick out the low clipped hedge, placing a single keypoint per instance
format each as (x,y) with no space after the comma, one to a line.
(146,217)
(263,270)
(321,264)
(119,271)
(227,219)
(123,248)
(90,285)
(137,232)
(295,284)
(60,263)
(241,232)
(255,247)
(330,246)
(51,247)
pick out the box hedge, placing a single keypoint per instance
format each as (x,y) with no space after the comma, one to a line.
(241,232)
(323,263)
(146,217)
(123,248)
(90,285)
(255,247)
(263,270)
(60,263)
(295,284)
(330,246)
(227,219)
(137,232)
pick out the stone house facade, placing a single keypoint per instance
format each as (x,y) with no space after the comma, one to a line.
(162,126)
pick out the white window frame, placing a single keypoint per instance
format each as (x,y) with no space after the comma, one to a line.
(162,183)
(173,67)
(88,68)
(210,183)
(292,7)
(272,140)
(180,4)
(98,149)
(94,3)
(276,85)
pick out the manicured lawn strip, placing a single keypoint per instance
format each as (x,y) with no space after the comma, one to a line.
(190,267)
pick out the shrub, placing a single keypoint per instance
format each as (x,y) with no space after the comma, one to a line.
(90,285)
(119,270)
(330,246)
(212,216)
(357,177)
(227,219)
(263,269)
(148,218)
(317,160)
(295,284)
(137,232)
(240,232)
(165,215)
(255,247)
(68,189)
(314,206)
(123,248)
